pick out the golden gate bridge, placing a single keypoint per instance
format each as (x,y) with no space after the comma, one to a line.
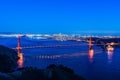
(90,50)
(19,48)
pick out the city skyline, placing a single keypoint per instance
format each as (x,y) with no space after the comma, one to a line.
(64,16)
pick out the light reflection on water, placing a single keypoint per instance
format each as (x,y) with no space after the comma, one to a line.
(90,55)
(110,51)
(110,54)
(72,57)
(20,60)
(57,56)
(67,59)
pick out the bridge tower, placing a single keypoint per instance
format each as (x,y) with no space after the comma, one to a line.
(20,60)
(19,47)
(91,51)
(90,43)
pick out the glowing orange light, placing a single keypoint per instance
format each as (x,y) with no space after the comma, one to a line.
(110,54)
(21,60)
(112,43)
(91,53)
(109,48)
(90,43)
(110,51)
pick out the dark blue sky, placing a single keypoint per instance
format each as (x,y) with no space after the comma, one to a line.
(54,16)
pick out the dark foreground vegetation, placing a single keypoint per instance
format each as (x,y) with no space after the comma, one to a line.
(9,71)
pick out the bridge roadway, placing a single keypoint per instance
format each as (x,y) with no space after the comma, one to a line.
(60,45)
(90,44)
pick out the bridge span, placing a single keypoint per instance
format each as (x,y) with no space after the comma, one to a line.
(90,52)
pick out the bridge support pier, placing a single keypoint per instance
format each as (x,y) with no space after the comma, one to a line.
(91,51)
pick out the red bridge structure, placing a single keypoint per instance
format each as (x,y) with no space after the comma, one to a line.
(90,50)
(19,48)
(20,55)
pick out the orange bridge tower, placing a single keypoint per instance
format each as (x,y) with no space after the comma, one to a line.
(19,47)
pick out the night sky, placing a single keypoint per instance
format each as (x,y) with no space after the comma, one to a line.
(55,16)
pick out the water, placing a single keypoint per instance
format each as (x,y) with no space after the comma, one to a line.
(92,65)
